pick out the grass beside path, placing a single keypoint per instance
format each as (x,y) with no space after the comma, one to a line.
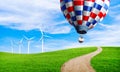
(108,60)
(42,62)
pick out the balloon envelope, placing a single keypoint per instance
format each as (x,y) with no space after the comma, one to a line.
(84,14)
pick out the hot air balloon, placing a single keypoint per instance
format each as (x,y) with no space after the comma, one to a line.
(84,14)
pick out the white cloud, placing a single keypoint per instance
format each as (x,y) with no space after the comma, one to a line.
(114,11)
(31,14)
(109,36)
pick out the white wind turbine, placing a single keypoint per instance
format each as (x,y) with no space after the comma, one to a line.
(12,46)
(20,45)
(29,42)
(42,39)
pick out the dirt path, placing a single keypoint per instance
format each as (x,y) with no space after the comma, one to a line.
(80,64)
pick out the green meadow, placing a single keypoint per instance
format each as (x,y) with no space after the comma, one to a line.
(41,62)
(108,60)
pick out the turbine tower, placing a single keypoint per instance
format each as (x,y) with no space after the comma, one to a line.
(42,39)
(29,42)
(12,46)
(20,45)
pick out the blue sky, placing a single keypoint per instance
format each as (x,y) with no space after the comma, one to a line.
(26,17)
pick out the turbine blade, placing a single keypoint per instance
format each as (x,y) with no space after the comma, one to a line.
(41,31)
(42,34)
(47,36)
(26,37)
(31,38)
(41,38)
(21,40)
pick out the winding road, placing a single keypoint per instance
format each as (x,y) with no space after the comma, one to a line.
(80,64)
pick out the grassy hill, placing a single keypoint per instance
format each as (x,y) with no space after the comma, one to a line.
(108,60)
(42,62)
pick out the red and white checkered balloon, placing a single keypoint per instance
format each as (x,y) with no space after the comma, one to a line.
(86,13)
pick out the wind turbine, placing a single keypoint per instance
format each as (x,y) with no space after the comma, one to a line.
(42,39)
(11,46)
(20,45)
(29,42)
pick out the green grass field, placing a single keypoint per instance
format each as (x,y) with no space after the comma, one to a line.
(43,62)
(108,60)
